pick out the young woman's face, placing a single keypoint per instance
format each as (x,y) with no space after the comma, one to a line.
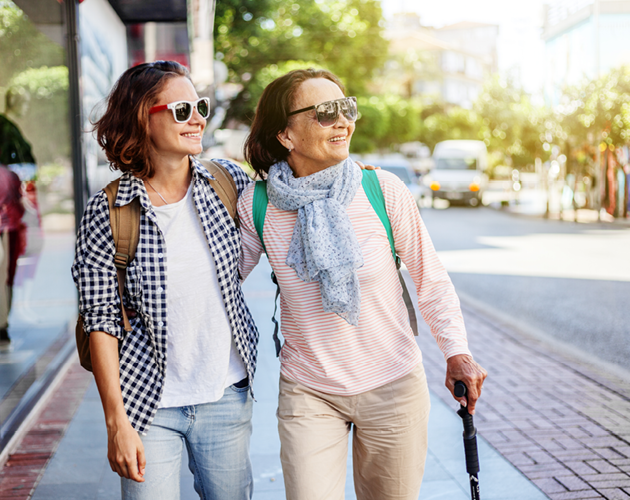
(314,148)
(172,139)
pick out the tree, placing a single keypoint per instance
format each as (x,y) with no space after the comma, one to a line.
(344,36)
(22,46)
(510,122)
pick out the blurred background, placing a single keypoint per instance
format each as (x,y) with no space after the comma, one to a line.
(509,122)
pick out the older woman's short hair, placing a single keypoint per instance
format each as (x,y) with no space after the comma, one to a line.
(123,131)
(262,148)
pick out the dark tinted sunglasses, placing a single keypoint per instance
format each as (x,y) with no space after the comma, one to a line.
(328,112)
(183,110)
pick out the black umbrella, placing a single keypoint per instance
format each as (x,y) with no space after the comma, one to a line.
(470,442)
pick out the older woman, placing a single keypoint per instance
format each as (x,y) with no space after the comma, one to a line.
(182,375)
(349,360)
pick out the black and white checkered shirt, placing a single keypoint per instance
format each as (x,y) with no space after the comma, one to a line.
(143,353)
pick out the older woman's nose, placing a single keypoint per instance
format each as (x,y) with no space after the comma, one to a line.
(342,121)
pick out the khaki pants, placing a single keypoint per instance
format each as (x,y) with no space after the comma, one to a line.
(389,440)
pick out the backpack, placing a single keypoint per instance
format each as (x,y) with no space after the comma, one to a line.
(373,190)
(125,222)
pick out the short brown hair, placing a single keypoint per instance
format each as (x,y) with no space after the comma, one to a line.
(262,148)
(123,131)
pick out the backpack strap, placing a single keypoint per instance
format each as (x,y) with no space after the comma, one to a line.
(259,212)
(259,209)
(125,222)
(373,191)
(224,186)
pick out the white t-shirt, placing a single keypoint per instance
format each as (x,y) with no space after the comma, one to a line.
(202,358)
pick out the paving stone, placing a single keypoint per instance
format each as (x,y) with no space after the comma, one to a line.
(575,495)
(550,485)
(614,494)
(572,483)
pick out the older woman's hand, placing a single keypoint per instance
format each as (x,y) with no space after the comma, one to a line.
(464,368)
(366,167)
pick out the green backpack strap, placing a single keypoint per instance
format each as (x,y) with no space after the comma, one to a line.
(259,209)
(259,212)
(373,190)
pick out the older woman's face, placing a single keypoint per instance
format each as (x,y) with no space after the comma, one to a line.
(314,148)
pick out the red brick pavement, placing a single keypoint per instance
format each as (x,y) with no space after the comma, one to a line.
(24,468)
(564,423)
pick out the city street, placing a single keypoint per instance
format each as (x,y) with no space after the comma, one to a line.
(562,280)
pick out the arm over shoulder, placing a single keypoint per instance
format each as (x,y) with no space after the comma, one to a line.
(241,179)
(251,247)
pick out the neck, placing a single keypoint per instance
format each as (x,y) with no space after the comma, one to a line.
(171,179)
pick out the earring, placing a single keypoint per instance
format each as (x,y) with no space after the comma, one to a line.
(289,150)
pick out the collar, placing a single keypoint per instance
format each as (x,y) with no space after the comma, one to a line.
(132,187)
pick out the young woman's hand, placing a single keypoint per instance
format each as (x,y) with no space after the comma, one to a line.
(125,451)
(367,167)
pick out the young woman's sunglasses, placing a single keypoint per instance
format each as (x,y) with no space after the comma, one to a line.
(183,110)
(328,112)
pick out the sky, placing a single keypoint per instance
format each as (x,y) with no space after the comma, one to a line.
(520,47)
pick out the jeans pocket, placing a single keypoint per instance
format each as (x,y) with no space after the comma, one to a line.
(244,388)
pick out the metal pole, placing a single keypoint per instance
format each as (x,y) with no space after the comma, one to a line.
(74,105)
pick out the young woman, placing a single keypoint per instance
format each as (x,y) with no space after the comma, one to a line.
(183,374)
(349,360)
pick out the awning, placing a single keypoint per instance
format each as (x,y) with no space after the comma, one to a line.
(145,11)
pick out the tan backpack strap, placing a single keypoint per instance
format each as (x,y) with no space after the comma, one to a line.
(125,222)
(224,186)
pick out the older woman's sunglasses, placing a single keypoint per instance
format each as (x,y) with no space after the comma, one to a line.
(183,110)
(328,112)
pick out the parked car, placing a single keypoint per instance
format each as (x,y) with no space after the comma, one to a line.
(459,173)
(397,164)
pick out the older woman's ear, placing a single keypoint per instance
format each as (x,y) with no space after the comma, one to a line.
(283,138)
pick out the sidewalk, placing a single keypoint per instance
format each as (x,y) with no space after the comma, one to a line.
(548,423)
(533,202)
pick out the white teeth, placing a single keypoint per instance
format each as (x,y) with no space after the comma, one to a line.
(190,135)
(337,139)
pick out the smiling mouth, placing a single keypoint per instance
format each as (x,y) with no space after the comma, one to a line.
(338,139)
(193,135)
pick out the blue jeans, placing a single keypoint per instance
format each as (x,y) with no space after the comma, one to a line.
(217,440)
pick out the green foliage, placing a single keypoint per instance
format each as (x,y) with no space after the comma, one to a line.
(22,46)
(511,123)
(441,123)
(343,36)
(41,82)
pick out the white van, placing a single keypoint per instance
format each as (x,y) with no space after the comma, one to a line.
(459,171)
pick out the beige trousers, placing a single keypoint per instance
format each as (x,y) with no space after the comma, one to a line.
(389,440)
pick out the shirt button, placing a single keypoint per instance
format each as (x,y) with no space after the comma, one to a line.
(160,290)
(161,323)
(160,255)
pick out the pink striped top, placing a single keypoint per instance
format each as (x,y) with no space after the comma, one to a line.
(324,352)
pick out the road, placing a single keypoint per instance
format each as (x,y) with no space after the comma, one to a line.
(569,282)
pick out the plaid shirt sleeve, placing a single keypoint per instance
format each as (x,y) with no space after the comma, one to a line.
(241,179)
(94,272)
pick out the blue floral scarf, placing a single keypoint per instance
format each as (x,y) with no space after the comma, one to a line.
(324,246)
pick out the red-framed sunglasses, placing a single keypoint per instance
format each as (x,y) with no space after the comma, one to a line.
(183,110)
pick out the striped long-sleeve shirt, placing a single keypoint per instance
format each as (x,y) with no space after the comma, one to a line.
(321,350)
